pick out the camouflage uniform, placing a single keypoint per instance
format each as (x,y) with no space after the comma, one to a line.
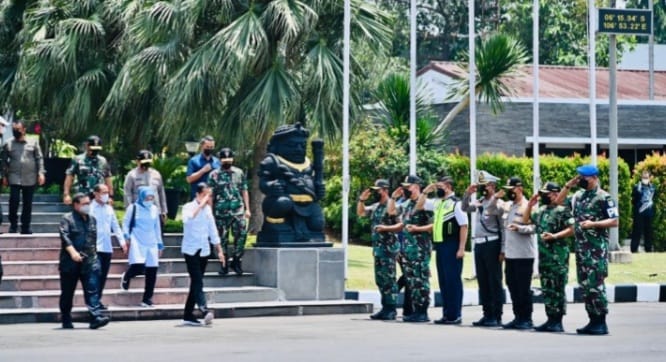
(228,207)
(89,171)
(385,249)
(591,247)
(553,256)
(418,249)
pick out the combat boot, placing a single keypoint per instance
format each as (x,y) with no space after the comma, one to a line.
(387,313)
(224,270)
(556,325)
(596,327)
(236,265)
(420,315)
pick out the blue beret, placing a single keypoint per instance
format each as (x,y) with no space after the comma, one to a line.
(588,170)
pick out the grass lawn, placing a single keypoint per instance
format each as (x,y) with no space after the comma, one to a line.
(644,268)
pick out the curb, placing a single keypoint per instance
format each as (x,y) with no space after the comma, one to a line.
(621,293)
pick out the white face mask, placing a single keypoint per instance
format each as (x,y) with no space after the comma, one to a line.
(645,181)
(148,203)
(85,209)
(104,198)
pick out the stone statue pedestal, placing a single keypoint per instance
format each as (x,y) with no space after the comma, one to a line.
(301,273)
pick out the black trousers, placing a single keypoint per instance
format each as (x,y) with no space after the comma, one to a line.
(449,275)
(196,268)
(89,277)
(519,281)
(151,279)
(105,265)
(642,227)
(15,192)
(489,277)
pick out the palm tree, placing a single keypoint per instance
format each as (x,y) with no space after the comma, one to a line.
(497,57)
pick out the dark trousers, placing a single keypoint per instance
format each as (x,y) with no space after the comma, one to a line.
(449,271)
(642,227)
(151,278)
(196,268)
(519,280)
(26,212)
(89,277)
(489,277)
(105,265)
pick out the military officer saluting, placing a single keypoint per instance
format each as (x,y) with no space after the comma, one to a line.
(594,212)
(385,245)
(553,224)
(90,169)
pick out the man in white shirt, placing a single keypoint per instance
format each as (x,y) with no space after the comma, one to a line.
(107,225)
(199,231)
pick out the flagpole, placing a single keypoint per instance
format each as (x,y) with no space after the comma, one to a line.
(592,56)
(412,89)
(535,91)
(345,132)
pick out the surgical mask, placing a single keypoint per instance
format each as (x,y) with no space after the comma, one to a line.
(441,193)
(226,166)
(376,197)
(148,203)
(406,193)
(511,195)
(545,199)
(645,181)
(104,198)
(85,209)
(207,151)
(583,183)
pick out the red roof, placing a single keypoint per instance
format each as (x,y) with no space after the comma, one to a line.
(570,82)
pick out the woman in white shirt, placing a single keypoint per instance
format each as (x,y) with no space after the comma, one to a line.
(141,229)
(107,225)
(199,231)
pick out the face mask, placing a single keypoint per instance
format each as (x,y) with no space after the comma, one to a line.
(145,166)
(94,153)
(406,193)
(104,198)
(511,195)
(645,181)
(545,200)
(226,166)
(376,197)
(583,183)
(441,193)
(207,151)
(481,190)
(148,203)
(17,134)
(85,209)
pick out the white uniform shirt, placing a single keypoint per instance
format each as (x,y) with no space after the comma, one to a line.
(107,225)
(197,230)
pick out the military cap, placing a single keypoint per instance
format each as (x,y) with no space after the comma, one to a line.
(513,182)
(412,179)
(485,177)
(226,155)
(588,170)
(381,184)
(446,179)
(550,187)
(94,142)
(144,156)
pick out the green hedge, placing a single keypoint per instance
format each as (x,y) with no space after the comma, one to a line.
(656,165)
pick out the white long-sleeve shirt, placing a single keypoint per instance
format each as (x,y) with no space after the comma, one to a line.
(107,225)
(198,230)
(146,229)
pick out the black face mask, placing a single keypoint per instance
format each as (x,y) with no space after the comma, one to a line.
(511,195)
(226,166)
(376,197)
(406,193)
(545,200)
(145,166)
(482,191)
(583,183)
(441,193)
(207,151)
(94,153)
(17,134)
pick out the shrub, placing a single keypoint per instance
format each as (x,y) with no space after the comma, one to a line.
(656,165)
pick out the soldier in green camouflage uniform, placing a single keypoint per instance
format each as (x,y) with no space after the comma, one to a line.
(90,169)
(553,224)
(385,245)
(594,211)
(417,249)
(231,208)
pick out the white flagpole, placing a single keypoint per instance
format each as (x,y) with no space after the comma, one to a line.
(592,56)
(412,89)
(345,132)
(472,107)
(535,91)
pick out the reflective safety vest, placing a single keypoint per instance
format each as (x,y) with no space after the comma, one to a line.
(445,226)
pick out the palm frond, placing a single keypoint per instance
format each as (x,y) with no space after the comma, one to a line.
(287,20)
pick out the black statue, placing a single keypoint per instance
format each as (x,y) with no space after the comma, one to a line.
(293,187)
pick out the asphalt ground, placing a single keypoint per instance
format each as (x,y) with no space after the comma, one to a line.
(637,333)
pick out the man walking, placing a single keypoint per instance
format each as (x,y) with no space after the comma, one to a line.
(144,175)
(231,205)
(78,261)
(487,247)
(89,169)
(23,168)
(201,165)
(594,212)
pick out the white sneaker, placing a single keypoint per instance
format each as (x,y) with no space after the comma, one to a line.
(208,318)
(146,305)
(191,322)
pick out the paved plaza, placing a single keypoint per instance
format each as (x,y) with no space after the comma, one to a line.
(637,334)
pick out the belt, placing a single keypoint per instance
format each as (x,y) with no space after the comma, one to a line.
(484,239)
(301,198)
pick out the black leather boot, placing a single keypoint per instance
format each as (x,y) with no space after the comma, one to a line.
(596,327)
(544,327)
(387,313)
(420,315)
(224,270)
(237,266)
